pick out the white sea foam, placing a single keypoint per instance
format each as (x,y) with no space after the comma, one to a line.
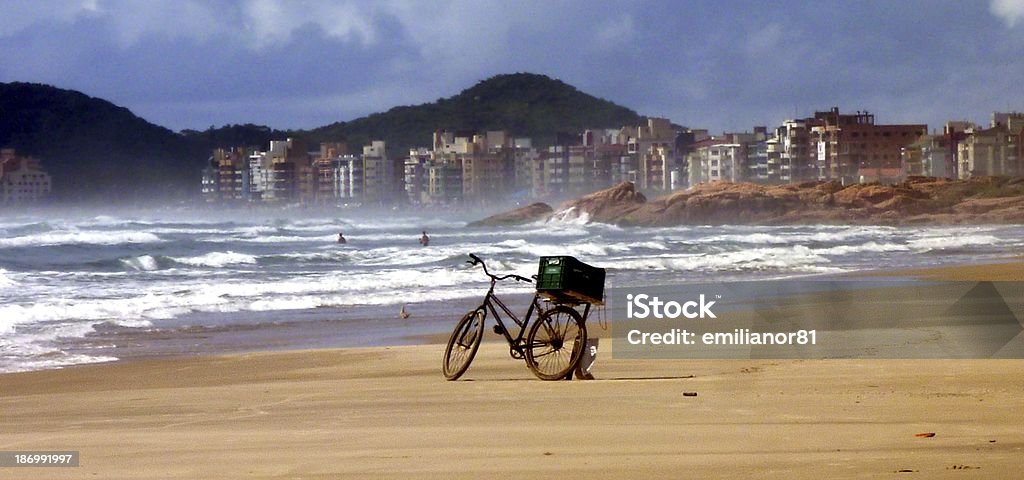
(142,262)
(323,239)
(50,359)
(76,237)
(651,245)
(570,216)
(873,247)
(217,259)
(773,258)
(6,280)
(957,241)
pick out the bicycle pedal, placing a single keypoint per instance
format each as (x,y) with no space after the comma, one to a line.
(498,330)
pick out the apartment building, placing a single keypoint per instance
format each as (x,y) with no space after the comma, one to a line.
(996,150)
(851,148)
(731,157)
(653,145)
(797,152)
(291,177)
(415,175)
(326,169)
(929,156)
(349,178)
(524,156)
(379,175)
(22,179)
(985,152)
(233,174)
(551,172)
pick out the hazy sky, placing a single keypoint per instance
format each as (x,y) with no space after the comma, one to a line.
(721,65)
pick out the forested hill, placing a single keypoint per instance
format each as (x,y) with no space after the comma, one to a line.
(524,104)
(90,145)
(95,149)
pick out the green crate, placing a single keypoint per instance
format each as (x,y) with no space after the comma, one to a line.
(567,280)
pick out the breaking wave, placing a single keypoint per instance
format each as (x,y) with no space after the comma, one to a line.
(80,238)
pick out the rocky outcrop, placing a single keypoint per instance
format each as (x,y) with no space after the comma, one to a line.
(915,201)
(530,213)
(606,205)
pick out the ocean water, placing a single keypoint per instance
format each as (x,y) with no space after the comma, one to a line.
(87,288)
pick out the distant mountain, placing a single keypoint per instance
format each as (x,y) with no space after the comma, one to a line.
(525,104)
(228,136)
(91,146)
(95,149)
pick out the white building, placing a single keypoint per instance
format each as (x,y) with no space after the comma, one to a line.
(23,181)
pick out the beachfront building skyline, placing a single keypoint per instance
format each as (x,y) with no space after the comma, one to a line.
(476,168)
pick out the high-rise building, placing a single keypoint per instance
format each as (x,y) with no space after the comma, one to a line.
(233,175)
(379,175)
(654,146)
(326,168)
(416,181)
(851,148)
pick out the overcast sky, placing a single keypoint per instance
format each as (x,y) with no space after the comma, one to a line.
(721,65)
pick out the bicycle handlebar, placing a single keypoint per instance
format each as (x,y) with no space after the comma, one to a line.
(475,260)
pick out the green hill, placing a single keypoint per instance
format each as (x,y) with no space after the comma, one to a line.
(525,104)
(91,146)
(94,149)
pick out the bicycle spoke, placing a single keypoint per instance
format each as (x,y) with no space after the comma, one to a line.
(553,344)
(463,344)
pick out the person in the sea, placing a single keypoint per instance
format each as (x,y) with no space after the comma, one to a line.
(341,238)
(424,240)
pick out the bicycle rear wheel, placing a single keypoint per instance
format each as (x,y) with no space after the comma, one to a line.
(555,343)
(463,344)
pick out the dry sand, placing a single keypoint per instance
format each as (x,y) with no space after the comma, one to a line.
(388,413)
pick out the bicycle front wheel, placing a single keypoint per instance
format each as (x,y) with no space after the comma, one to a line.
(463,344)
(555,343)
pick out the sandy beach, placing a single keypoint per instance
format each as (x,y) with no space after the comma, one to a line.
(386,412)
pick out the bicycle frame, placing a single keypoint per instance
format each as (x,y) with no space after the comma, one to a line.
(490,300)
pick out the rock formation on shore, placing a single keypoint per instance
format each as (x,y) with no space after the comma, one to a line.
(916,201)
(519,216)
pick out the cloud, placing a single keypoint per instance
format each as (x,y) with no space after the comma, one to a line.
(616,31)
(273,22)
(20,16)
(706,63)
(1010,11)
(764,41)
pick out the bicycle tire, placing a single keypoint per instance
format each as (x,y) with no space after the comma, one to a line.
(555,343)
(463,344)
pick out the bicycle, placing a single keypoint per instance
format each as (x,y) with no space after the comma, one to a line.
(552,348)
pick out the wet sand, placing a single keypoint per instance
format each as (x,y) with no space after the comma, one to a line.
(1010,270)
(386,412)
